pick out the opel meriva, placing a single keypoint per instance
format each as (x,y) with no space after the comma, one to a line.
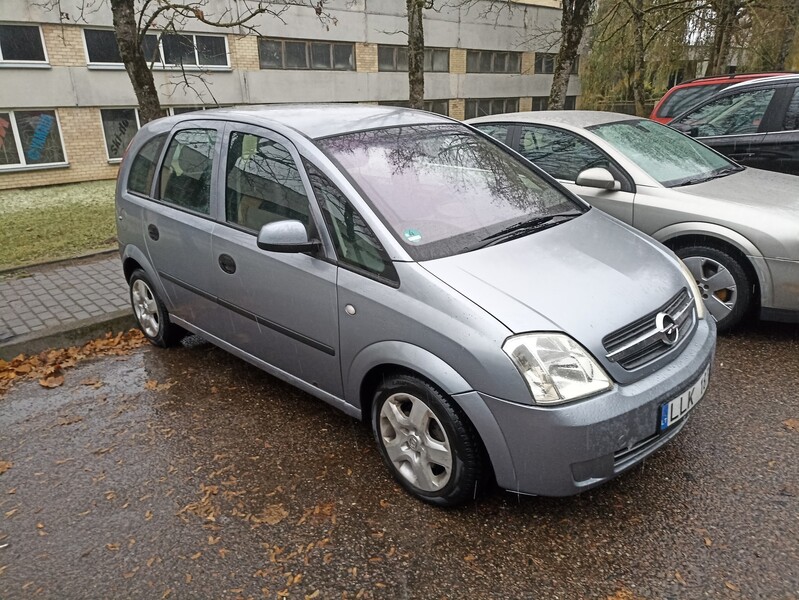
(406,269)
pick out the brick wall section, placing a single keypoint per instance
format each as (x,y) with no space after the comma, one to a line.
(85,146)
(528,63)
(525,104)
(64,45)
(244,52)
(366,58)
(457,108)
(457,60)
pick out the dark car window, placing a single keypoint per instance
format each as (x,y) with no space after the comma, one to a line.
(443,189)
(731,114)
(682,99)
(560,153)
(142,171)
(263,184)
(355,243)
(186,173)
(791,120)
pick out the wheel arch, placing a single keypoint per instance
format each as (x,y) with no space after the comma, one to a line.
(751,259)
(133,258)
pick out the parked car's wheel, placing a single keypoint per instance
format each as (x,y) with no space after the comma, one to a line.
(428,445)
(723,282)
(151,314)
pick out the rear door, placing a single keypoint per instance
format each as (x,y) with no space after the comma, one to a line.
(564,155)
(178,225)
(779,148)
(280,308)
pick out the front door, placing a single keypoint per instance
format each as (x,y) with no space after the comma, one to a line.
(280,308)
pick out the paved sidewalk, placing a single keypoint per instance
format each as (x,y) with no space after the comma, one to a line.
(40,304)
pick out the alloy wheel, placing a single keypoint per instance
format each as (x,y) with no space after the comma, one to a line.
(145,307)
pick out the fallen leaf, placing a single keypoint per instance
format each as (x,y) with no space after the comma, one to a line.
(791,424)
(148,515)
(112,547)
(708,542)
(679,577)
(5,466)
(188,577)
(52,382)
(731,586)
(213,540)
(272,514)
(223,552)
(470,558)
(196,555)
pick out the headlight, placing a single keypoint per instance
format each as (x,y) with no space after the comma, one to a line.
(556,368)
(700,304)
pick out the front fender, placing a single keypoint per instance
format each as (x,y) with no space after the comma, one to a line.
(405,355)
(732,238)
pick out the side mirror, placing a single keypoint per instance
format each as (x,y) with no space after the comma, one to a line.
(598,177)
(286,236)
(692,130)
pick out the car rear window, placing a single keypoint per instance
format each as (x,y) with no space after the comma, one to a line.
(682,99)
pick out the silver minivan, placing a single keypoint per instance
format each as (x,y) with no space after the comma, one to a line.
(403,267)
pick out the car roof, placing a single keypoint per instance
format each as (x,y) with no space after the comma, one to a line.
(321,120)
(764,81)
(732,78)
(574,118)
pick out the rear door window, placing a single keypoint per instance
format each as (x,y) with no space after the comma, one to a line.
(791,120)
(733,114)
(185,179)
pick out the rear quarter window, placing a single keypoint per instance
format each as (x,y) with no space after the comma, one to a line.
(142,171)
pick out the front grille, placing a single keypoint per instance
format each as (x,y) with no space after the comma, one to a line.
(648,338)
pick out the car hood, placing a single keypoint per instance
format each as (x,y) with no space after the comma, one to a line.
(586,277)
(751,187)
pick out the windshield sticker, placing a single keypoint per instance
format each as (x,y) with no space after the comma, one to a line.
(412,235)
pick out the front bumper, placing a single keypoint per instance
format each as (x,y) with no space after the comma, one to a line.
(564,450)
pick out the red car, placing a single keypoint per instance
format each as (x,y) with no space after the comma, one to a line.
(688,93)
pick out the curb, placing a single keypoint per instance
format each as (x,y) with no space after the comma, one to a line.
(57,261)
(71,334)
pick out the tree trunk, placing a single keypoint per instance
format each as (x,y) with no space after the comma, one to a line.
(639,90)
(130,49)
(722,38)
(573,21)
(788,36)
(416,53)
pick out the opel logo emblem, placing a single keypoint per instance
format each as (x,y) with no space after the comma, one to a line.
(667,328)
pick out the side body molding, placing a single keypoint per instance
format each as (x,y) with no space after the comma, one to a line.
(405,355)
(733,238)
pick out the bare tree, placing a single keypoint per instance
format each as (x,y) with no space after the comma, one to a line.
(416,10)
(574,19)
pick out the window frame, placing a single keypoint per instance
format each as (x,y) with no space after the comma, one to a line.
(308,54)
(102,127)
(396,48)
(26,63)
(18,141)
(491,101)
(493,53)
(551,57)
(150,195)
(160,64)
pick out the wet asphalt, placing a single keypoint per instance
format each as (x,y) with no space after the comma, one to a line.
(189,474)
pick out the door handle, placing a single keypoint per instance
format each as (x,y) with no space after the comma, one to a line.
(153,232)
(227,264)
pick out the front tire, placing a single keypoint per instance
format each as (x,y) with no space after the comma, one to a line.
(430,448)
(151,314)
(723,282)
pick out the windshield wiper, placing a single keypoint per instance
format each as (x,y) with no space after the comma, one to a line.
(524,228)
(723,172)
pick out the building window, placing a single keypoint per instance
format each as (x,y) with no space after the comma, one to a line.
(545,63)
(395,58)
(571,103)
(119,127)
(21,43)
(488,61)
(306,54)
(490,106)
(173,49)
(30,138)
(542,103)
(440,107)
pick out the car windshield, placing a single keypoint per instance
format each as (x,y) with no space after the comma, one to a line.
(444,189)
(671,158)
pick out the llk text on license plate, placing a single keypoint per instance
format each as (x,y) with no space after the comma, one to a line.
(673,411)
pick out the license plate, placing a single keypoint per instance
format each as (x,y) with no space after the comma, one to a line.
(675,410)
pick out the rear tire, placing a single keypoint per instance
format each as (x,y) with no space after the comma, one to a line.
(431,449)
(723,282)
(151,314)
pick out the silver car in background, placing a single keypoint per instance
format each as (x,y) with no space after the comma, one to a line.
(735,227)
(411,272)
